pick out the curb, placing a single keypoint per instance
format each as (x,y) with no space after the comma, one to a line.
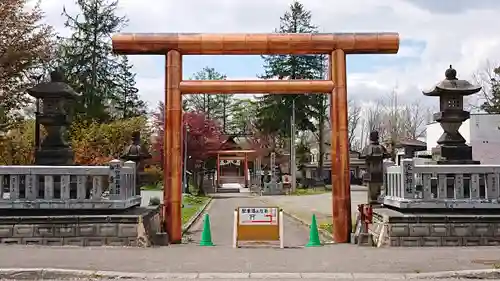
(196,216)
(327,236)
(54,273)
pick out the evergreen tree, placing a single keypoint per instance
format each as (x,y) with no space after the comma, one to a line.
(215,107)
(275,110)
(310,109)
(243,116)
(88,63)
(126,102)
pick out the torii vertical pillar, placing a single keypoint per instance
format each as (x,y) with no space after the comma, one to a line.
(341,186)
(173,147)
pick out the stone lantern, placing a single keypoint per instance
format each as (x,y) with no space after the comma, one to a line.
(55,116)
(374,155)
(451,115)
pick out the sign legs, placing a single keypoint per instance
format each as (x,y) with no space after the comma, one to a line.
(282,230)
(235,229)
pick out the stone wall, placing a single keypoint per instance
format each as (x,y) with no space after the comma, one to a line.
(84,230)
(435,230)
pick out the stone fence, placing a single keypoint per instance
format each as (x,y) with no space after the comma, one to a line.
(69,187)
(415,186)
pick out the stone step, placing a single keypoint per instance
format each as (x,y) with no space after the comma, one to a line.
(228,190)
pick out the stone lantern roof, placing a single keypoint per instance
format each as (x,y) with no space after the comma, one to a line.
(452,86)
(53,89)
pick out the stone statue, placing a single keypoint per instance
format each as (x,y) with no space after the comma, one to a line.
(374,154)
(137,153)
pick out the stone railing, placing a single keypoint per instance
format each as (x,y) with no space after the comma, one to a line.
(69,187)
(416,186)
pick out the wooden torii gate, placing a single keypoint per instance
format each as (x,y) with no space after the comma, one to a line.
(336,45)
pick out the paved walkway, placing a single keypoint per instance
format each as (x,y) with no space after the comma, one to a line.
(190,258)
(320,204)
(58,274)
(221,214)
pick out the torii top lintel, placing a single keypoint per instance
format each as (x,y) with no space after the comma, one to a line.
(255,43)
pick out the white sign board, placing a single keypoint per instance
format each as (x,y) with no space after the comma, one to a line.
(258,216)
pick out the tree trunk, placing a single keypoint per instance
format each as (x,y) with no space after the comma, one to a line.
(201,178)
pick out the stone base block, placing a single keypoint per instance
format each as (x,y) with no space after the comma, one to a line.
(433,229)
(365,239)
(135,227)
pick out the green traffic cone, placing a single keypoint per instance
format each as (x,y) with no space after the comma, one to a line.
(206,234)
(313,234)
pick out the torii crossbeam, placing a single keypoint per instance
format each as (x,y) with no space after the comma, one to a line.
(336,45)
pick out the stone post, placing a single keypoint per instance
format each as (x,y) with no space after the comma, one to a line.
(131,183)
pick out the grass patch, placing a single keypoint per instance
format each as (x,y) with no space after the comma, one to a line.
(326,226)
(329,227)
(191,205)
(310,191)
(152,187)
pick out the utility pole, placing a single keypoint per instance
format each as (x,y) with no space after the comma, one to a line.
(186,185)
(293,166)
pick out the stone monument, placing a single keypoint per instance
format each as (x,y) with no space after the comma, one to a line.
(56,97)
(137,153)
(374,154)
(451,91)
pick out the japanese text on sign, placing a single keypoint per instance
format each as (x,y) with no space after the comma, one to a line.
(408,177)
(258,216)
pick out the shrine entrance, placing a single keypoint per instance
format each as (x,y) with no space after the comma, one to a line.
(337,46)
(232,167)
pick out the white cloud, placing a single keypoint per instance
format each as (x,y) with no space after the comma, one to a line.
(463,34)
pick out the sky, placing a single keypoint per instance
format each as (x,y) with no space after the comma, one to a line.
(434,34)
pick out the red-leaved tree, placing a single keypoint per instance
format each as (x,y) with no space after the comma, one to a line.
(159,133)
(202,135)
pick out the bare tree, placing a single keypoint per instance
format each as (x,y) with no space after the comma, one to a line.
(374,116)
(353,118)
(489,79)
(414,118)
(396,122)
